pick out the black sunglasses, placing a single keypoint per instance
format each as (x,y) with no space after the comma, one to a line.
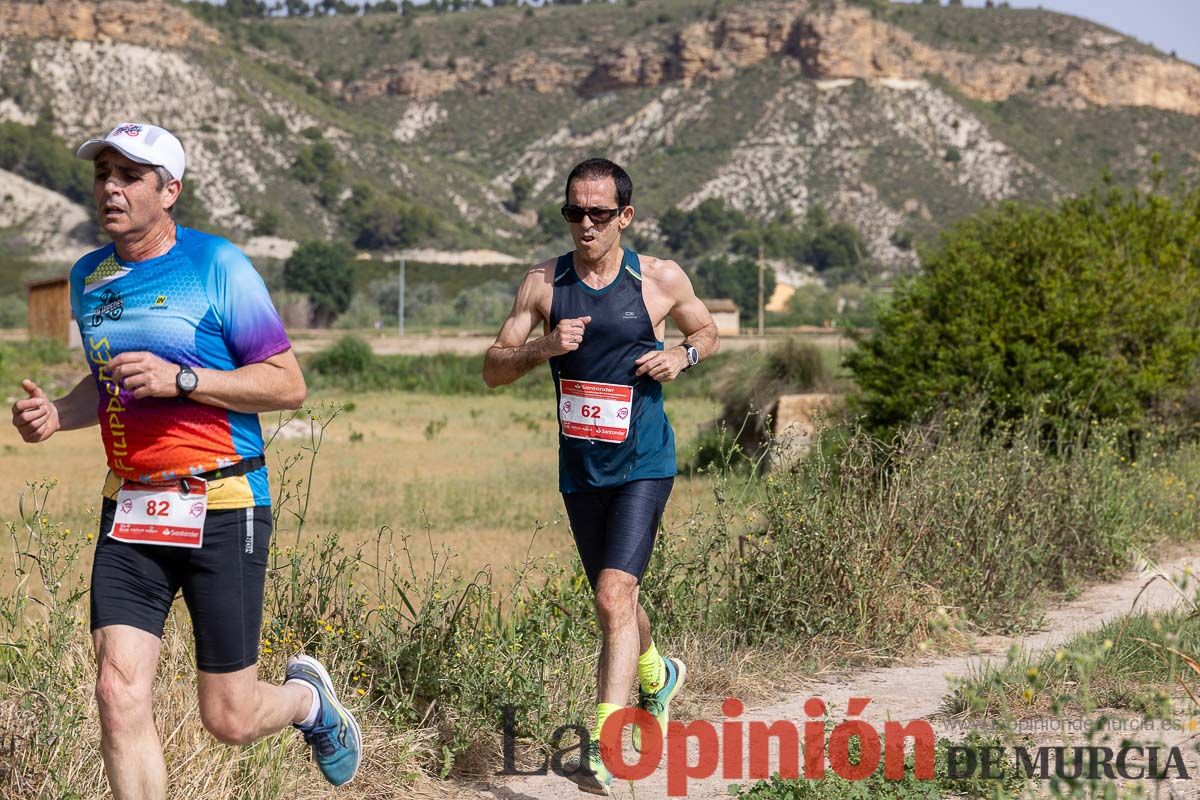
(575,214)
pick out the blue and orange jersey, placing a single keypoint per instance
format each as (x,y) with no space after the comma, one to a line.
(201,304)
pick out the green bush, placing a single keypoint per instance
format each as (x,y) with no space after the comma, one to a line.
(379,221)
(35,153)
(701,230)
(736,279)
(749,385)
(13,312)
(325,272)
(849,305)
(317,164)
(350,356)
(485,304)
(350,365)
(1090,308)
(874,539)
(834,248)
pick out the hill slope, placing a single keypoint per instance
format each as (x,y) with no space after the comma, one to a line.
(894,117)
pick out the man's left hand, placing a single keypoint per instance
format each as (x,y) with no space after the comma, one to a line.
(663,365)
(145,374)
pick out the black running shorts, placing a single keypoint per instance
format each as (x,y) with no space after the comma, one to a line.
(222,583)
(615,528)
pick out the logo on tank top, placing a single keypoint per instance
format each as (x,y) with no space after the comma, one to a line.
(630,315)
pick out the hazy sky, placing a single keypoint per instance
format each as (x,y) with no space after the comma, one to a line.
(1166,24)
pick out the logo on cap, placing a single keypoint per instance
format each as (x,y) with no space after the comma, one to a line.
(128,130)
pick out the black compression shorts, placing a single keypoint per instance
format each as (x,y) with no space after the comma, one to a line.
(222,583)
(615,528)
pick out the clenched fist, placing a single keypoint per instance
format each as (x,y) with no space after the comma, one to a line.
(35,417)
(567,335)
(145,374)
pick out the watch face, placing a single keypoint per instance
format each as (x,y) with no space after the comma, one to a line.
(187,380)
(693,356)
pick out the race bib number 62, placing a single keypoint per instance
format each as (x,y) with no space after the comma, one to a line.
(598,411)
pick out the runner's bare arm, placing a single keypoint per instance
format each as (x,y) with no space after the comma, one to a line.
(36,418)
(692,318)
(511,356)
(274,384)
(77,408)
(690,314)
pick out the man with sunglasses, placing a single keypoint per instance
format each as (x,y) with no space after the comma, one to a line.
(603,312)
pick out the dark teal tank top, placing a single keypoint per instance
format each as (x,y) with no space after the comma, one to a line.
(612,426)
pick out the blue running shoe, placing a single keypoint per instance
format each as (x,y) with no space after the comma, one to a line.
(335,737)
(658,704)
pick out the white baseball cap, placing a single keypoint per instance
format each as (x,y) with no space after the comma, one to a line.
(145,144)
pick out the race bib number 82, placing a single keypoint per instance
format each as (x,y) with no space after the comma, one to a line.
(170,514)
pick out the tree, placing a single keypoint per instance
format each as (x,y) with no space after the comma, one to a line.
(1084,311)
(484,304)
(380,221)
(522,187)
(701,230)
(318,164)
(325,272)
(736,279)
(838,246)
(245,8)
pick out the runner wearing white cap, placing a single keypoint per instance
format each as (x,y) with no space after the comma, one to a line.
(185,349)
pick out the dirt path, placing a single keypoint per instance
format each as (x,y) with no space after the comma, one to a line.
(909,692)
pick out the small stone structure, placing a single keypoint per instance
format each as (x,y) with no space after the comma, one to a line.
(799,418)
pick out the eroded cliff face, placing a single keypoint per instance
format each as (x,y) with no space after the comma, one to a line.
(144,22)
(846,118)
(844,43)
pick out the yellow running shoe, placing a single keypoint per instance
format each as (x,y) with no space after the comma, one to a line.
(592,777)
(658,704)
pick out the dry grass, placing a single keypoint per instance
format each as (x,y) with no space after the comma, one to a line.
(478,488)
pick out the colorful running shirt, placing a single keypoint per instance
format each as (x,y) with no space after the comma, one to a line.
(612,426)
(201,304)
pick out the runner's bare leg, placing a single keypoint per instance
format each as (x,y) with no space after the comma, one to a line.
(237,708)
(126,660)
(617,608)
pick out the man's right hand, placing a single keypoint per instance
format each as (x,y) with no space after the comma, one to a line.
(35,417)
(567,335)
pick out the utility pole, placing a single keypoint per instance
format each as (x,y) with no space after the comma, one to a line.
(401,302)
(762,266)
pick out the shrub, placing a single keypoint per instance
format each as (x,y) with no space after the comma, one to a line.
(35,153)
(13,312)
(750,385)
(485,304)
(378,221)
(350,365)
(323,271)
(350,356)
(1090,308)
(736,279)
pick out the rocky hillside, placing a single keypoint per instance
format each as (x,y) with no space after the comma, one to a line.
(894,117)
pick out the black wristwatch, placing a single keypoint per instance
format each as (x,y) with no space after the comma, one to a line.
(693,356)
(186,380)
